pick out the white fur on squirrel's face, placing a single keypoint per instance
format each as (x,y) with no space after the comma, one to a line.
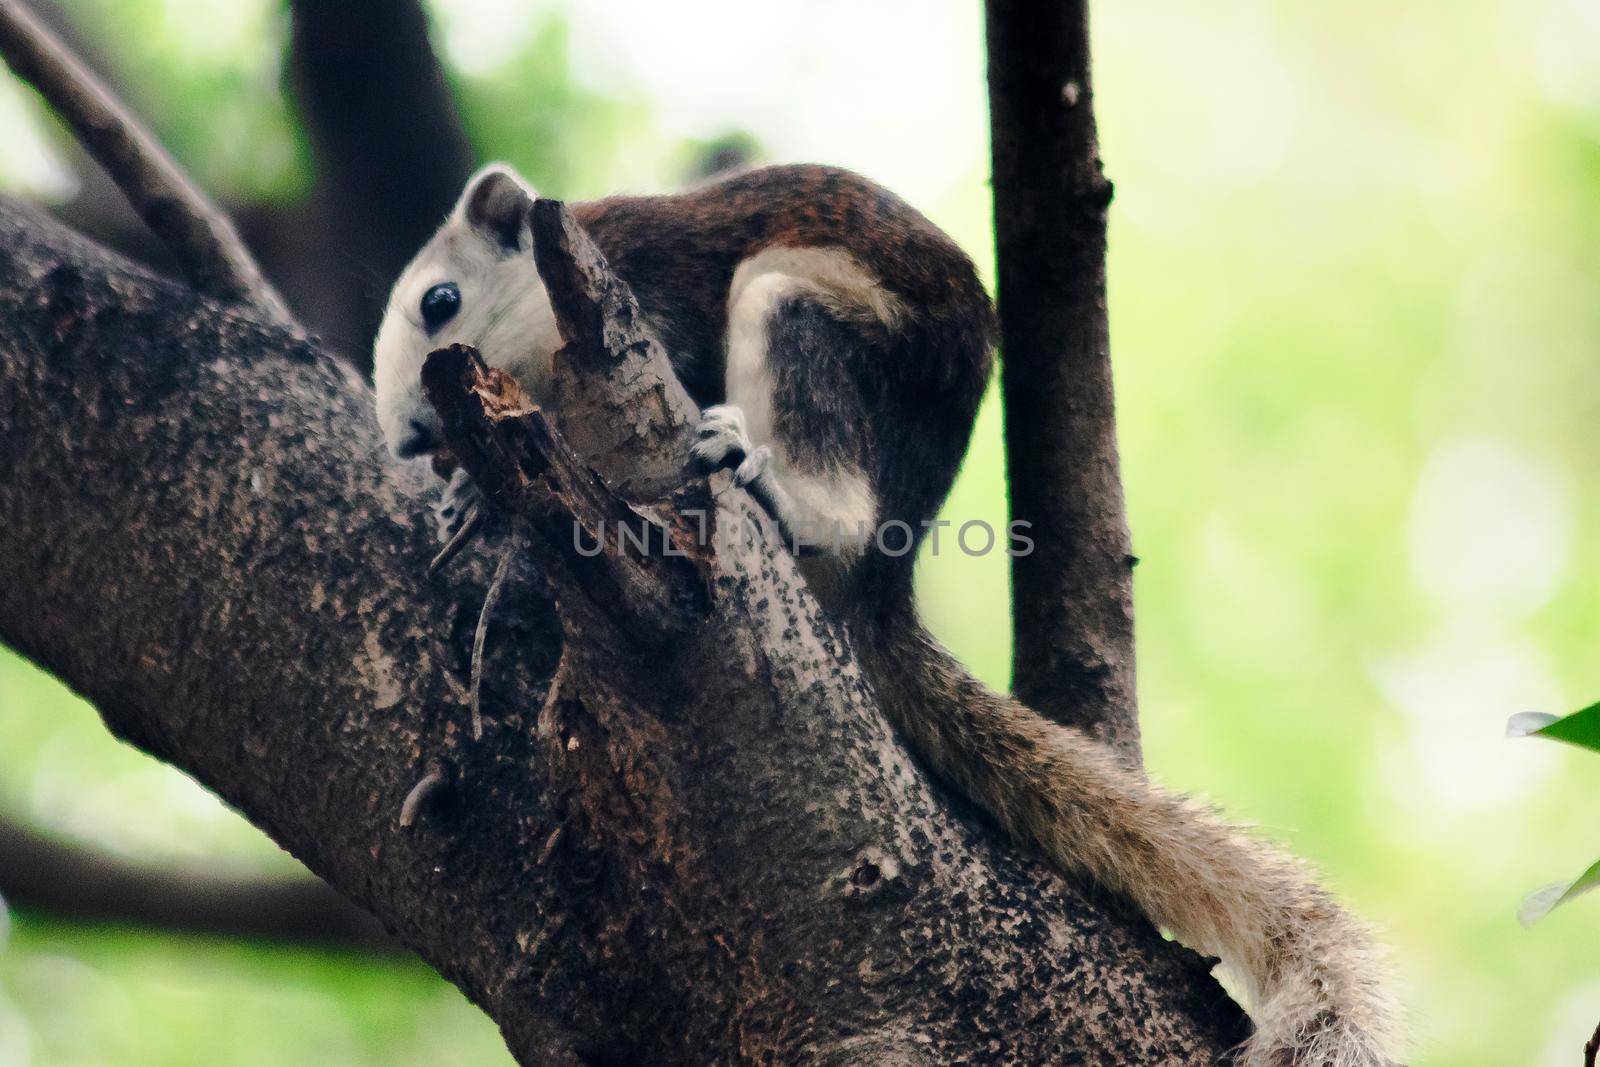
(486,250)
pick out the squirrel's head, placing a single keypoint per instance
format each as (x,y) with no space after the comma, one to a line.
(473,283)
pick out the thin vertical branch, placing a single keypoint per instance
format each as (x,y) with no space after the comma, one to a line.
(1073,611)
(389,148)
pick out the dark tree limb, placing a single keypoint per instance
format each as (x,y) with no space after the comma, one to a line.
(389,147)
(1073,596)
(698,841)
(200,237)
(40,873)
(389,151)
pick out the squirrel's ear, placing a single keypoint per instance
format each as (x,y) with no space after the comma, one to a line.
(497,203)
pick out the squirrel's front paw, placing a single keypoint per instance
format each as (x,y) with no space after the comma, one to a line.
(457,501)
(721,440)
(755,465)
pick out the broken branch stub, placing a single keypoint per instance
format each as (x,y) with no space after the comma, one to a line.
(616,398)
(610,492)
(643,568)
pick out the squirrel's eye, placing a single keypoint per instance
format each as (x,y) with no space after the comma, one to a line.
(440,304)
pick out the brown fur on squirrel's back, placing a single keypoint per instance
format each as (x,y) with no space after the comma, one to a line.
(678,253)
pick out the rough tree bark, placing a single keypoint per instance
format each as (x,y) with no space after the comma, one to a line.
(704,845)
(1072,615)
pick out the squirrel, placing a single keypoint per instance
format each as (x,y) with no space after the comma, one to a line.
(838,344)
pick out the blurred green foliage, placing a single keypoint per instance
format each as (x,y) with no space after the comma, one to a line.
(1581,728)
(1354,258)
(88,997)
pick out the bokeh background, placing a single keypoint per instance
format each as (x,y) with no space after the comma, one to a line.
(1355,312)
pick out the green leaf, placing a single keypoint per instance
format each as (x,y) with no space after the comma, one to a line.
(1542,902)
(1524,723)
(1581,728)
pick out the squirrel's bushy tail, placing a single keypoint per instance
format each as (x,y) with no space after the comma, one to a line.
(1315,979)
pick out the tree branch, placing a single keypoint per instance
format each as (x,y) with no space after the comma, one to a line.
(389,149)
(49,876)
(388,156)
(1073,595)
(707,847)
(619,402)
(200,237)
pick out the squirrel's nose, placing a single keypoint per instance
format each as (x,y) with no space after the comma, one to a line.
(420,439)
